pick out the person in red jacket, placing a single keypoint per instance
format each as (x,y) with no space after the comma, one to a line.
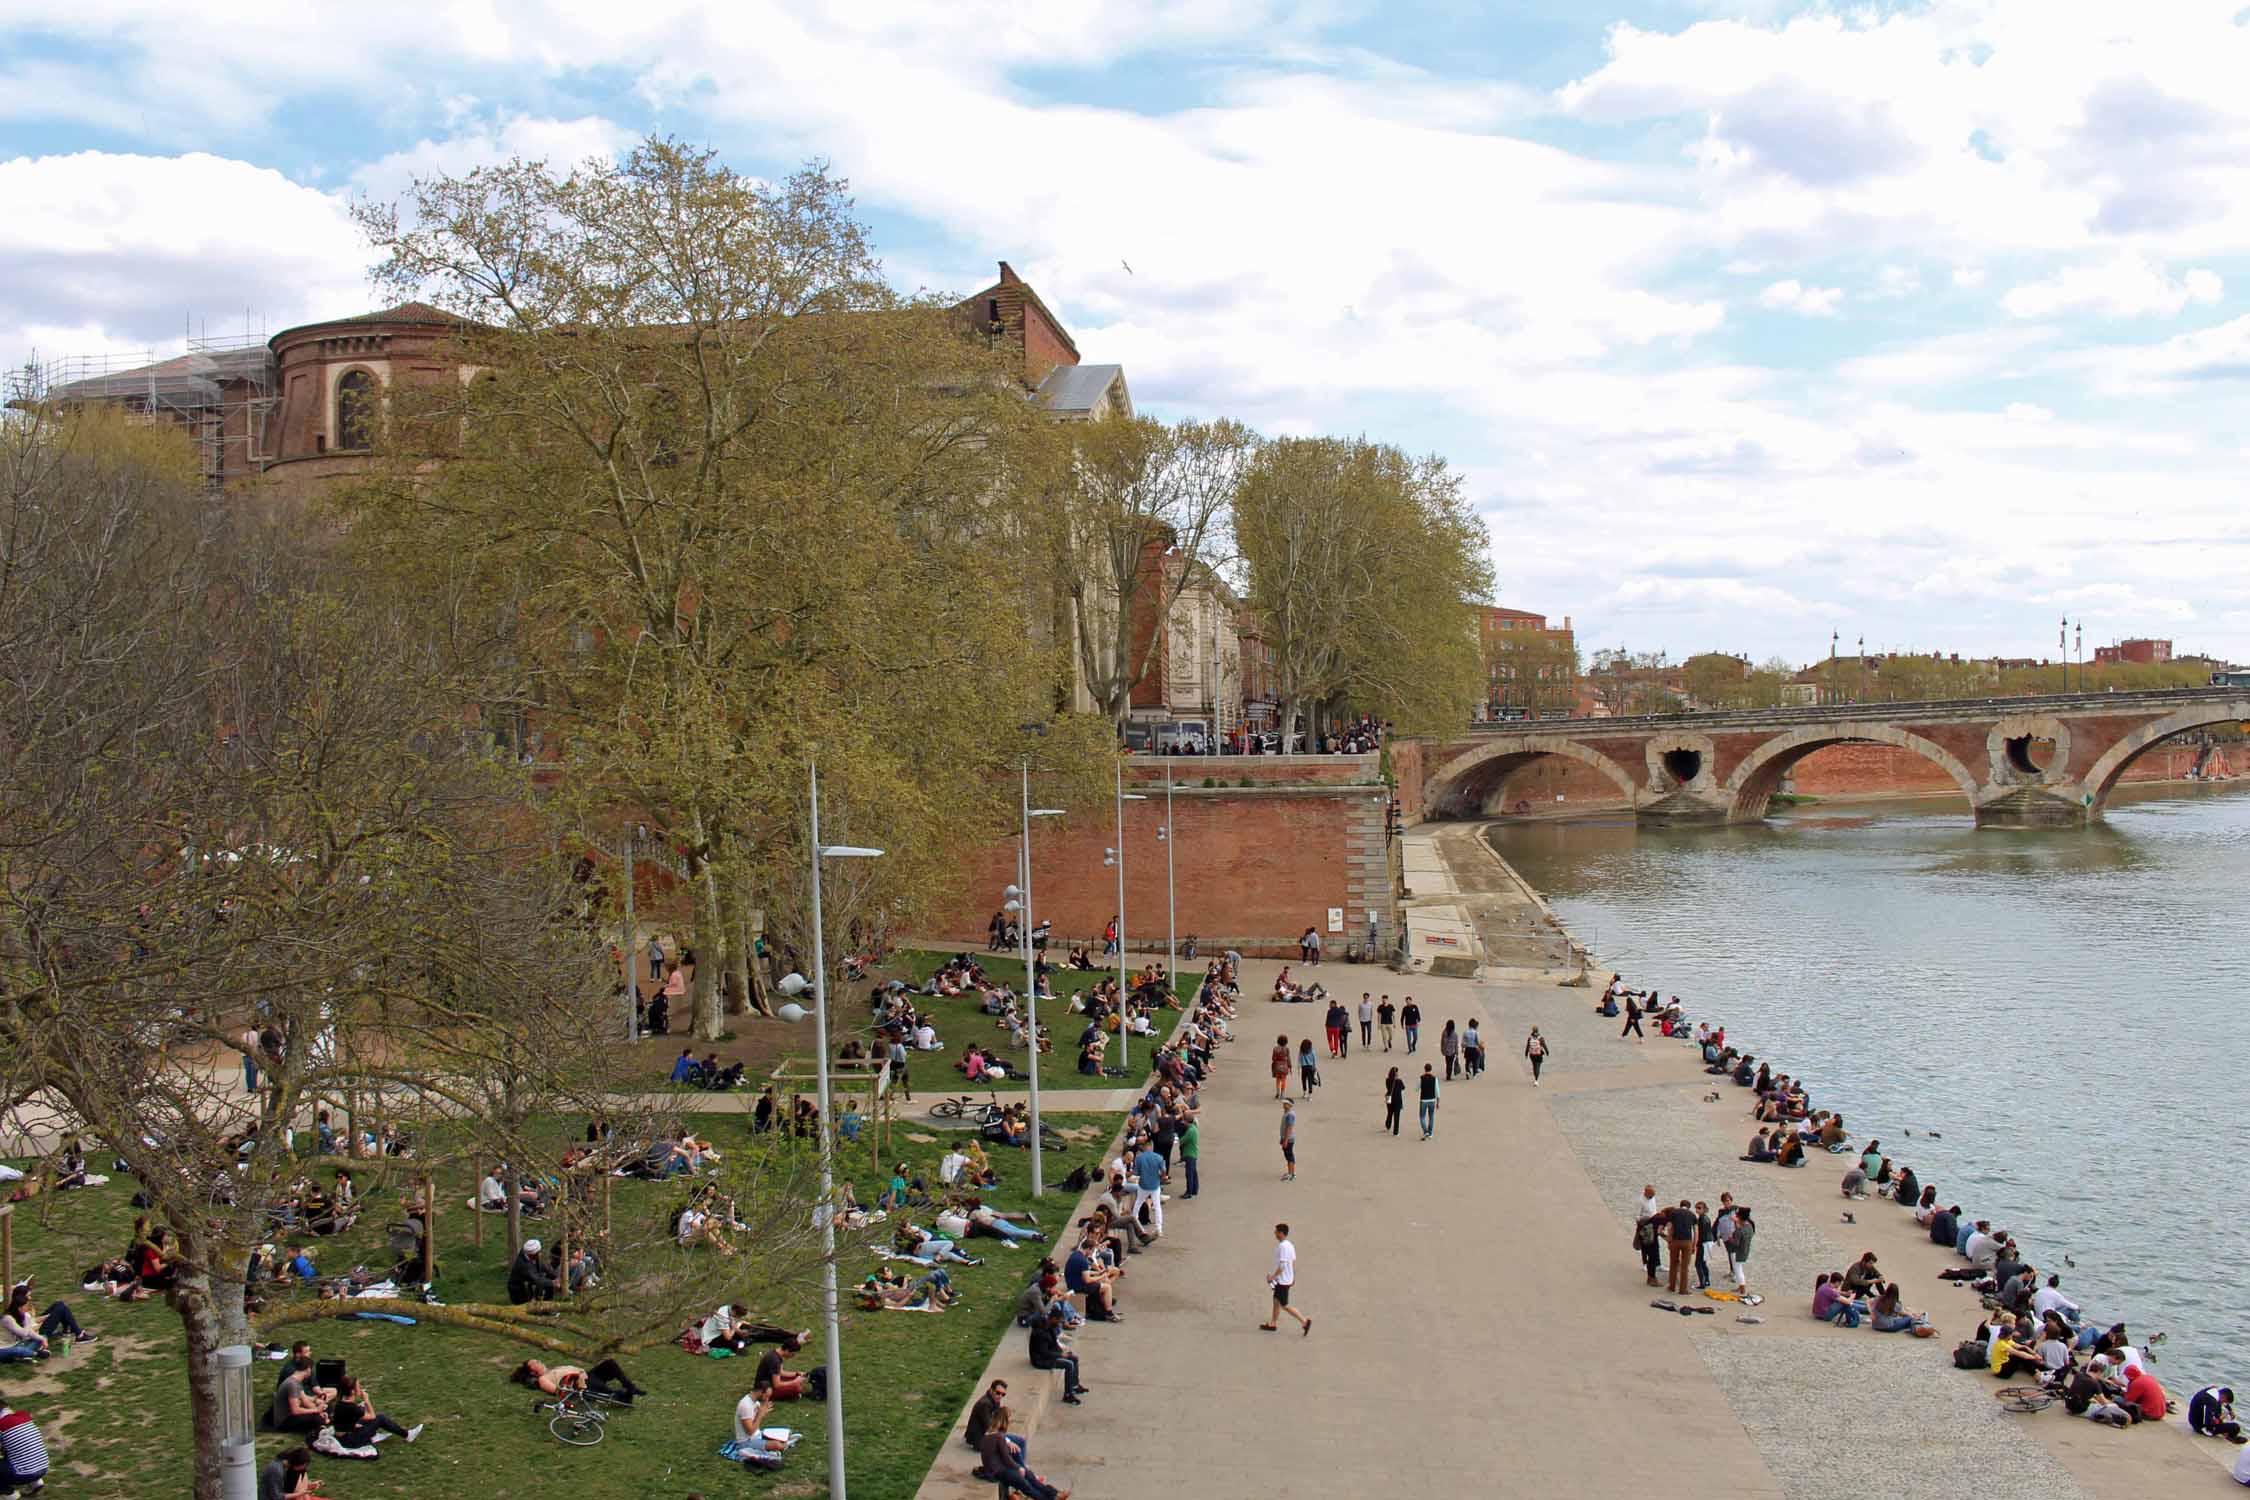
(2144,1397)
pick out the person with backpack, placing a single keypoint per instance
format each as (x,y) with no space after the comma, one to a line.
(1535,1049)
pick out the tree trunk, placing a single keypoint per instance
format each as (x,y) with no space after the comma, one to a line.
(705,999)
(514,1185)
(211,1318)
(738,951)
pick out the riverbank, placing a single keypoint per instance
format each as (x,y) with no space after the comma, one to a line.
(1638,1113)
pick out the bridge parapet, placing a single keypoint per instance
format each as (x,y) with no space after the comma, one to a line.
(2021,762)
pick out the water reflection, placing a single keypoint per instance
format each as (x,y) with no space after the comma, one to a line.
(2059,1003)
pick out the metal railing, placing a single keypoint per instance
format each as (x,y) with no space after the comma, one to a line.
(1829,713)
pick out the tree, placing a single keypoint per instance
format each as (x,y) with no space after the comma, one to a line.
(1358,562)
(710,507)
(1128,511)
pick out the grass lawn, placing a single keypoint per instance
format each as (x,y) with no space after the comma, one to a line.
(960,1022)
(115,1412)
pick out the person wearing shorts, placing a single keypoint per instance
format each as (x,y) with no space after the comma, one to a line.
(1282,1279)
(1288,1142)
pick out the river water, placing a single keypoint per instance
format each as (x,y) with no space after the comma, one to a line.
(2068,1008)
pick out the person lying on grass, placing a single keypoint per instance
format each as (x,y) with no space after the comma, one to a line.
(607,1379)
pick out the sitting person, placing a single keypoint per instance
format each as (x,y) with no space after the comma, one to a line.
(1094,1281)
(1792,1153)
(1830,1305)
(1047,1353)
(2211,1414)
(773,1374)
(2144,1398)
(1889,1315)
(1000,1457)
(696,1226)
(1862,1276)
(529,1277)
(753,1440)
(357,1421)
(1855,1181)
(1760,1149)
(2094,1393)
(27,1333)
(683,1066)
(607,1379)
(2013,1351)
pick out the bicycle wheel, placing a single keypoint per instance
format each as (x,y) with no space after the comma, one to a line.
(946,1109)
(580,1429)
(2024,1398)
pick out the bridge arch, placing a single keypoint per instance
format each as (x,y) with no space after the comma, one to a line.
(2102,776)
(1470,777)
(1753,782)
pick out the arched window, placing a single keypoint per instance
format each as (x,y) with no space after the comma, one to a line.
(355,410)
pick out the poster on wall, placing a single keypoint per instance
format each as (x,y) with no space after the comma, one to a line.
(1335,919)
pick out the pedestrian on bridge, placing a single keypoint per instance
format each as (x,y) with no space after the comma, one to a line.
(1535,1048)
(1632,1020)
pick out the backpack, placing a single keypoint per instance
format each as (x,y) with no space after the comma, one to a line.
(1969,1355)
(1080,1179)
(816,1383)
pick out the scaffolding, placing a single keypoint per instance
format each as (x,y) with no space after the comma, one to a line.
(220,392)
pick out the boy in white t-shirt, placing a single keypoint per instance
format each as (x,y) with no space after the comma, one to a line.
(1282,1278)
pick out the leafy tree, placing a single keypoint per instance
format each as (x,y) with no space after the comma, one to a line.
(1358,562)
(714,502)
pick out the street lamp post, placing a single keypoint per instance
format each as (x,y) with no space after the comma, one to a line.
(1117,858)
(1030,975)
(795,985)
(1171,901)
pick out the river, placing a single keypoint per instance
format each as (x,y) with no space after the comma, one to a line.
(2066,1007)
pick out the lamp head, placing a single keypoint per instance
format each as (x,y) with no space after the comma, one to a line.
(793,984)
(792,1013)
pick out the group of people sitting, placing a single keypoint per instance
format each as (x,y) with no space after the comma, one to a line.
(144,1270)
(2033,1329)
(1286,991)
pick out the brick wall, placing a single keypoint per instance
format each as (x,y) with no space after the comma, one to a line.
(1253,866)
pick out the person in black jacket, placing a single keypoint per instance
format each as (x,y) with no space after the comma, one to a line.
(530,1278)
(1047,1354)
(1945,1226)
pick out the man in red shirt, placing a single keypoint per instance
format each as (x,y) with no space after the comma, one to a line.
(2144,1397)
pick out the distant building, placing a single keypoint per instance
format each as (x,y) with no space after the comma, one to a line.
(2138,652)
(1531,667)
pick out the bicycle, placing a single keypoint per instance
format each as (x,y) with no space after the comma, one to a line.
(965,1106)
(581,1418)
(2024,1398)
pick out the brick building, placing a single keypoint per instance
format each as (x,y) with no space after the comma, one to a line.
(2138,652)
(1531,667)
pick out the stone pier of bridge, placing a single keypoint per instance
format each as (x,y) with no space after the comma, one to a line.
(2029,762)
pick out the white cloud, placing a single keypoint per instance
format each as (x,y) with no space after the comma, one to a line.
(114,252)
(1807,301)
(2127,287)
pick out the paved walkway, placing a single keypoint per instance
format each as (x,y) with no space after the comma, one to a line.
(1481,1326)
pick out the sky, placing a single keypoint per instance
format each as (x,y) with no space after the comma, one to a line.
(1745,324)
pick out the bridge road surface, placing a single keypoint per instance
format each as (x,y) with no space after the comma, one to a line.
(1478,1326)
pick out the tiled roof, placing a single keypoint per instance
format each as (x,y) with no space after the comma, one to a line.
(1079,388)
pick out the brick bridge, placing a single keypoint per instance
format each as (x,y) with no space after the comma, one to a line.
(2034,762)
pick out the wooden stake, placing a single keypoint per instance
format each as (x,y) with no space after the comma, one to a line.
(7,1244)
(605,1207)
(476,1173)
(562,1254)
(429,1229)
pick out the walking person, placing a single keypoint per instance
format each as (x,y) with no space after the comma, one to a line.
(1449,1048)
(1410,1017)
(1632,1020)
(1281,1067)
(1745,1232)
(1366,1020)
(1288,1141)
(1282,1278)
(1308,1068)
(1535,1048)
(1394,1100)
(1472,1048)
(1722,1234)
(1703,1236)
(1679,1226)
(250,1061)
(1191,1146)
(1333,1023)
(1385,1014)
(1429,1101)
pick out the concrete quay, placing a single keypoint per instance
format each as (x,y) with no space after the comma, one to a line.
(1481,1325)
